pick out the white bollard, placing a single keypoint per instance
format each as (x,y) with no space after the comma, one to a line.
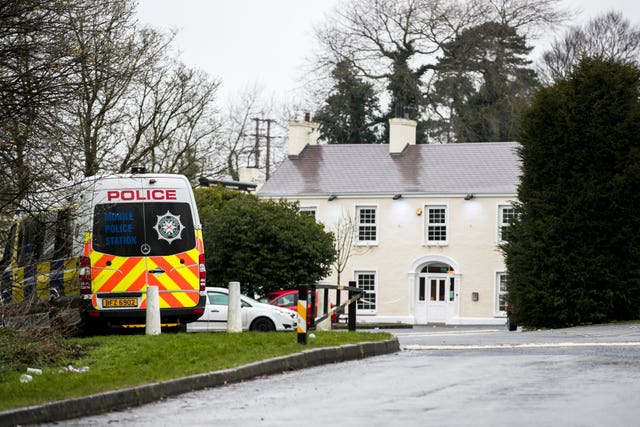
(153,311)
(234,315)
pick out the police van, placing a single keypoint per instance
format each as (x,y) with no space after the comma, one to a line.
(118,235)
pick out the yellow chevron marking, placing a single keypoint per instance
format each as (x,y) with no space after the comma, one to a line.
(189,275)
(130,277)
(18,283)
(117,262)
(42,279)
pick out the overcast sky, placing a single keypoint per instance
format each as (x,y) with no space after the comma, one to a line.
(265,42)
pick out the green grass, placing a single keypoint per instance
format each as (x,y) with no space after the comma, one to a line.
(121,361)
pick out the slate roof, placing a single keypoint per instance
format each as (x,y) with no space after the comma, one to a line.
(423,169)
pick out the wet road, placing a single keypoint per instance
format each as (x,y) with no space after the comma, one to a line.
(444,376)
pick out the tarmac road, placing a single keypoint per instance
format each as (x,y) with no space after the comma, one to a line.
(444,376)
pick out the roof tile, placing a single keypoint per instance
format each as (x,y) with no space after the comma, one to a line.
(424,169)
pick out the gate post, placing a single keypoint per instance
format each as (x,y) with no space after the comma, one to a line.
(352,308)
(338,293)
(325,302)
(302,314)
(313,312)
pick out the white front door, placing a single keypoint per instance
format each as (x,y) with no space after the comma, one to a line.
(436,301)
(437,298)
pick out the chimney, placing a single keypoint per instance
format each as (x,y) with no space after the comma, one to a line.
(402,132)
(301,134)
(250,175)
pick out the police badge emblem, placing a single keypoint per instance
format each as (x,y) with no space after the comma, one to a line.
(169,227)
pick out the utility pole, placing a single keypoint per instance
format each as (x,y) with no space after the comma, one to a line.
(268,160)
(256,148)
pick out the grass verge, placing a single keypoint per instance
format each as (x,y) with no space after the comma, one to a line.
(121,361)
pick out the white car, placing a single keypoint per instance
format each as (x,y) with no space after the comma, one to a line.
(255,315)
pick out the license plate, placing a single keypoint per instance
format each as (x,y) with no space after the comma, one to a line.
(119,302)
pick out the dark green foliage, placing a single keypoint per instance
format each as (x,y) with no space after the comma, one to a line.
(484,79)
(405,89)
(265,245)
(574,254)
(350,114)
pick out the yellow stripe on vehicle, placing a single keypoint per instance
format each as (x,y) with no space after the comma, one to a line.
(43,276)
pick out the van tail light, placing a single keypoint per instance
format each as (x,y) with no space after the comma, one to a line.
(203,273)
(85,275)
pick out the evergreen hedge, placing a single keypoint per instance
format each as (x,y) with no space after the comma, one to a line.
(573,255)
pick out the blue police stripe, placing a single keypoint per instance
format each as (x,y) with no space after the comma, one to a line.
(56,277)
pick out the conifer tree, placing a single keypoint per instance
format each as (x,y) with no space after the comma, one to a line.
(350,113)
(483,80)
(573,255)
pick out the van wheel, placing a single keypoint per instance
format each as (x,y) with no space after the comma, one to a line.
(262,324)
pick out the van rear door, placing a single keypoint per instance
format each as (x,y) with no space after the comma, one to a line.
(144,235)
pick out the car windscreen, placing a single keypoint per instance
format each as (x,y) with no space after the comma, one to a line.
(143,229)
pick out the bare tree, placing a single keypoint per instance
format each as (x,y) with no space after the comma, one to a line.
(241,143)
(529,17)
(390,42)
(84,90)
(609,36)
(34,75)
(344,232)
(173,118)
(110,53)
(237,143)
(396,43)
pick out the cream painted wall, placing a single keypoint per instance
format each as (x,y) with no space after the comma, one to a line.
(472,245)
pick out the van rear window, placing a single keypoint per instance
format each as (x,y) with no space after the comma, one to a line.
(143,229)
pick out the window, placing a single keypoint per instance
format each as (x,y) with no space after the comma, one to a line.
(367,232)
(312,211)
(217,298)
(57,235)
(506,214)
(121,229)
(31,240)
(501,293)
(289,300)
(366,280)
(436,225)
(7,255)
(437,289)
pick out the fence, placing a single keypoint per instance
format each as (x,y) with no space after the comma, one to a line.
(304,291)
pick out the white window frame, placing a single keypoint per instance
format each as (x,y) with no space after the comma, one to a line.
(356,277)
(308,209)
(500,293)
(500,220)
(444,242)
(358,224)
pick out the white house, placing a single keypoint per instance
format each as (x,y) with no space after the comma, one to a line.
(427,220)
